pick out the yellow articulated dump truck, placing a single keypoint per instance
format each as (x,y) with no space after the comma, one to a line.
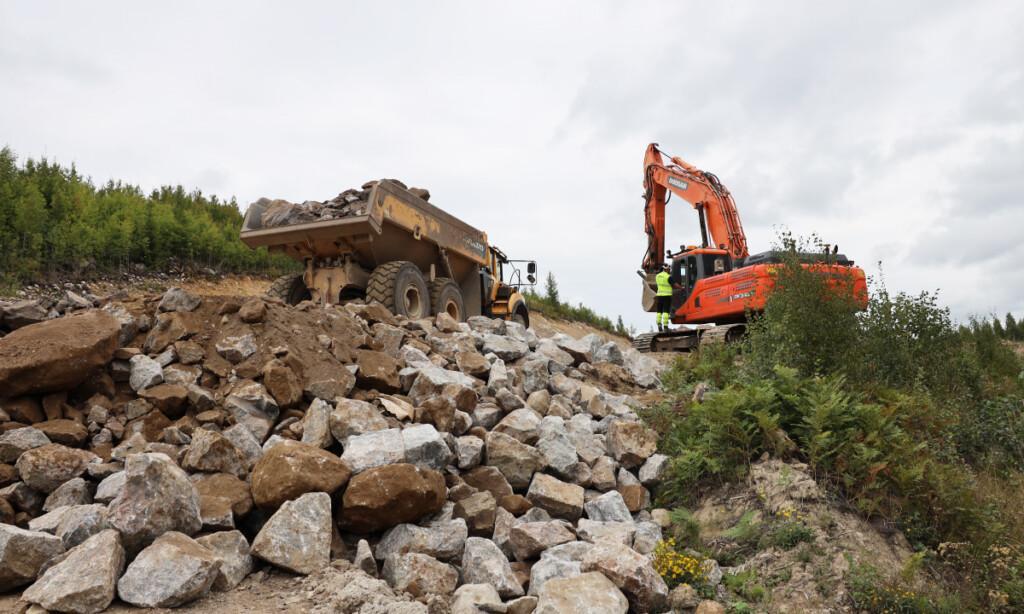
(386,243)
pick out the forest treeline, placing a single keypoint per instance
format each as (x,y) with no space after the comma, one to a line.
(53,221)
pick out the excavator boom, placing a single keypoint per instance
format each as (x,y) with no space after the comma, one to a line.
(703,190)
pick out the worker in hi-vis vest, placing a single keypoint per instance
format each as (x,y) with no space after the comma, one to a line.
(664,298)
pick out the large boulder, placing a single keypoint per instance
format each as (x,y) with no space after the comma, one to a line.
(631,443)
(75,491)
(291,469)
(558,498)
(233,551)
(529,539)
(282,383)
(56,354)
(176,299)
(352,417)
(374,449)
(47,467)
(444,540)
(631,571)
(211,452)
(385,496)
(298,536)
(225,486)
(432,382)
(81,522)
(145,372)
(252,407)
(85,580)
(377,371)
(171,571)
(23,553)
(420,575)
(589,593)
(16,442)
(157,497)
(516,460)
(484,563)
(22,313)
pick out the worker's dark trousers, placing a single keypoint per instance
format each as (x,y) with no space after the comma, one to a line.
(664,306)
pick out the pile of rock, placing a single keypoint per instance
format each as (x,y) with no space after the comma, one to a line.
(351,202)
(176,446)
(15,314)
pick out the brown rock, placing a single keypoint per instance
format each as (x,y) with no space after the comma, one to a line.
(23,409)
(558,498)
(227,486)
(635,496)
(291,469)
(439,411)
(631,443)
(189,352)
(211,452)
(377,371)
(478,510)
(66,432)
(529,539)
(282,383)
(631,571)
(168,398)
(253,310)
(516,460)
(8,475)
(151,426)
(56,354)
(473,363)
(489,479)
(420,575)
(517,505)
(47,467)
(53,405)
(170,327)
(386,496)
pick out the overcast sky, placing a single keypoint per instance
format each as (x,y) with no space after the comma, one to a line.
(895,129)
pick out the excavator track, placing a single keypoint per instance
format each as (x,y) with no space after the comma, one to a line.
(722,334)
(687,340)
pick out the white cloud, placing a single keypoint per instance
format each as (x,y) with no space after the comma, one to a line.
(894,130)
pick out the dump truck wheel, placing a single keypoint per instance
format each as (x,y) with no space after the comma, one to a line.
(400,287)
(522,316)
(446,297)
(290,288)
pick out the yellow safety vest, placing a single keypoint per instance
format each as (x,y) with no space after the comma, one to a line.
(664,287)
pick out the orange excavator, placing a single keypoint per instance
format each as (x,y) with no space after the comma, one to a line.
(718,283)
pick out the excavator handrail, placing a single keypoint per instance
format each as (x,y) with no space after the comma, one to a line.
(703,191)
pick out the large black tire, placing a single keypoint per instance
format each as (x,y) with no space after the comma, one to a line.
(290,288)
(446,297)
(522,316)
(400,287)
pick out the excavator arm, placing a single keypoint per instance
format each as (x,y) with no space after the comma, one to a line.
(703,191)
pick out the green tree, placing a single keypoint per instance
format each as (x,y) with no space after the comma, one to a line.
(997,327)
(1013,328)
(551,289)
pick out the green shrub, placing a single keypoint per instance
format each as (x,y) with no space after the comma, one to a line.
(786,535)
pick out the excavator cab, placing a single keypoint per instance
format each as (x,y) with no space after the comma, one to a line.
(694,264)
